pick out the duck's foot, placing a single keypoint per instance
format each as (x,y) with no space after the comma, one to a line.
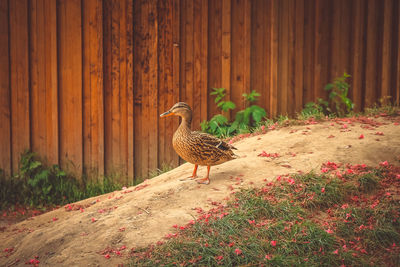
(203,180)
(188,178)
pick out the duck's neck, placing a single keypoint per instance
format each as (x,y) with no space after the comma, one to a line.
(185,124)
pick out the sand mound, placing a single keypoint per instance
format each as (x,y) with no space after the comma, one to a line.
(81,234)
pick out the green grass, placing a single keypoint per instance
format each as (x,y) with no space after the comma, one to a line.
(164,168)
(299,220)
(40,186)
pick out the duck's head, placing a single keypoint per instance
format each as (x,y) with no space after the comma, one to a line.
(180,109)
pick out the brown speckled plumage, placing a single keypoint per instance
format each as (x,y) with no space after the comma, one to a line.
(196,147)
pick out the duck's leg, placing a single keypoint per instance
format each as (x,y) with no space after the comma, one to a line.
(194,175)
(205,180)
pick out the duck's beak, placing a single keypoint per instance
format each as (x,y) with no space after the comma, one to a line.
(166,114)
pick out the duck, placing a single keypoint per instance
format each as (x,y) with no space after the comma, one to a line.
(198,148)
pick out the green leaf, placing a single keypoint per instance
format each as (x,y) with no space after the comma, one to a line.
(34,164)
(329,86)
(332,94)
(246,116)
(46,190)
(234,126)
(204,126)
(219,119)
(228,105)
(239,116)
(257,113)
(348,102)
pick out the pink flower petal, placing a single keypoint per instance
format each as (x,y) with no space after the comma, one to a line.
(238,251)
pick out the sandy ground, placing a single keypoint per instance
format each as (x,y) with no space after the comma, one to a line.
(80,234)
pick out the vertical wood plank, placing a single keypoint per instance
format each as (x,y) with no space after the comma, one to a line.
(226,57)
(283,56)
(176,40)
(183,44)
(130,92)
(291,93)
(336,40)
(119,89)
(204,60)
(117,107)
(188,63)
(153,86)
(247,46)
(260,47)
(340,39)
(322,64)
(371,53)
(165,59)
(43,65)
(299,62)
(397,44)
(5,94)
(138,92)
(146,76)
(345,21)
(308,52)
(70,85)
(386,49)
(199,63)
(357,51)
(240,65)
(214,54)
(19,68)
(93,108)
(273,83)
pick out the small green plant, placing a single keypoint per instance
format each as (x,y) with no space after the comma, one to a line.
(339,91)
(245,120)
(338,98)
(314,110)
(384,106)
(251,116)
(222,104)
(39,185)
(218,125)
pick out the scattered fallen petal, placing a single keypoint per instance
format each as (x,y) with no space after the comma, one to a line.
(238,251)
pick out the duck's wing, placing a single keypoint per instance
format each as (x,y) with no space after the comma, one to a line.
(213,141)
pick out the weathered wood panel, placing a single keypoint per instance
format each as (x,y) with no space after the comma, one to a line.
(93,107)
(70,85)
(118,88)
(371,57)
(19,78)
(260,49)
(240,63)
(82,82)
(396,51)
(5,94)
(273,58)
(165,71)
(44,84)
(215,52)
(357,50)
(146,71)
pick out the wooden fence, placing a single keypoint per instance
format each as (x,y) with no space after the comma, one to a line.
(82,82)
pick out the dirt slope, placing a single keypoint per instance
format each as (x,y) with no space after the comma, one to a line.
(135,217)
